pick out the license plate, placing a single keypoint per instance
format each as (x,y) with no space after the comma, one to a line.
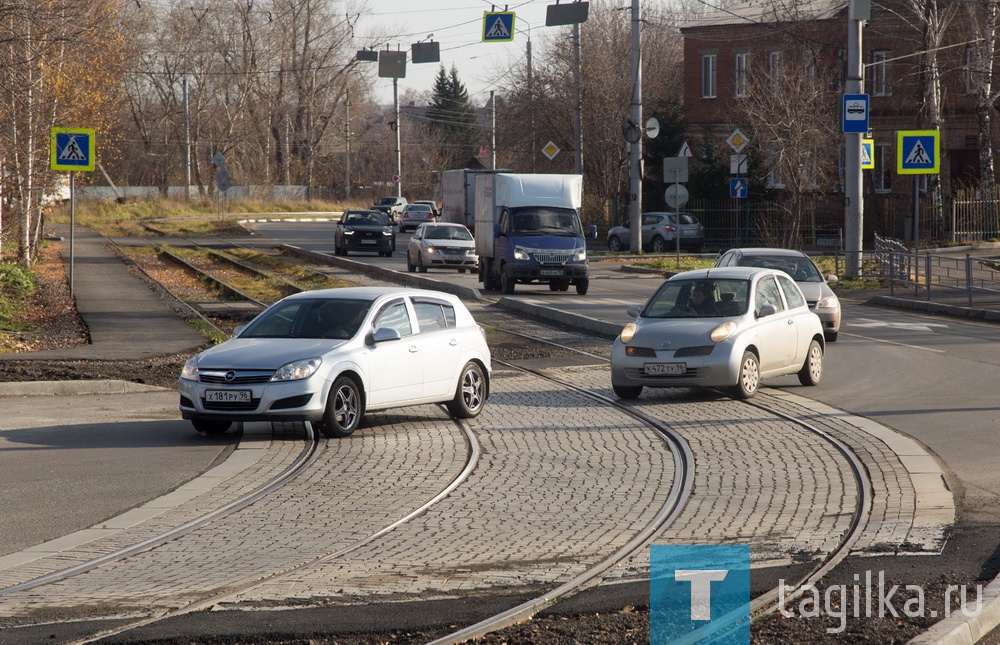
(665,369)
(550,272)
(369,241)
(688,233)
(227,396)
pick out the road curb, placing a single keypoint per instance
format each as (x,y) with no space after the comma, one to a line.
(959,629)
(73,388)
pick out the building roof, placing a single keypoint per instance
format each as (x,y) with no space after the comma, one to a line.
(753,12)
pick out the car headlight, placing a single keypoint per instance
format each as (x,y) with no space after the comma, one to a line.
(723,331)
(830,302)
(580,255)
(297,370)
(348,232)
(431,250)
(387,233)
(190,370)
(521,254)
(628,333)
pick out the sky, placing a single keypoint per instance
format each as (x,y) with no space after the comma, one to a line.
(458,26)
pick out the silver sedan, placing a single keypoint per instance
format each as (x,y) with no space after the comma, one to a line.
(441,246)
(719,328)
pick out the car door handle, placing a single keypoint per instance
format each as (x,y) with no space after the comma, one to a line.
(414,349)
(453,342)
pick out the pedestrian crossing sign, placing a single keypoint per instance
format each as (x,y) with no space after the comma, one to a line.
(498,26)
(71,149)
(918,152)
(868,154)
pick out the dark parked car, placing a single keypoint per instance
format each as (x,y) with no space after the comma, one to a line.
(659,233)
(369,231)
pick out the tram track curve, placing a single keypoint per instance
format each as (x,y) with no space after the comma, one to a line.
(565,589)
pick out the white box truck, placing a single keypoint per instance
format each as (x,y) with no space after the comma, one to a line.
(458,194)
(528,230)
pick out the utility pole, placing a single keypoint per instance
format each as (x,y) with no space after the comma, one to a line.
(493,130)
(399,155)
(577,102)
(635,147)
(187,142)
(854,207)
(347,159)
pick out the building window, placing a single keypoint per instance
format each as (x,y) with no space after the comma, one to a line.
(774,71)
(708,76)
(740,79)
(776,174)
(882,175)
(880,74)
(971,65)
(809,68)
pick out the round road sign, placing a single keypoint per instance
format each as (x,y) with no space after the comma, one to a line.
(676,195)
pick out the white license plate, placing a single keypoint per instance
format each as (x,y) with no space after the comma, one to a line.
(688,233)
(369,241)
(665,369)
(550,272)
(227,396)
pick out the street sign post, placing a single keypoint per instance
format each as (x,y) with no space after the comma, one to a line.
(854,113)
(72,149)
(918,152)
(868,154)
(498,26)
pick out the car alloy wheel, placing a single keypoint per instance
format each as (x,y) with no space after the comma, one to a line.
(343,410)
(470,396)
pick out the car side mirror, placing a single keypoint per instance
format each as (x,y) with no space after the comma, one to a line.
(767,310)
(633,311)
(496,230)
(832,279)
(383,334)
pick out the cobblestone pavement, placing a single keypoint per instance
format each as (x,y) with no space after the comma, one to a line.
(562,483)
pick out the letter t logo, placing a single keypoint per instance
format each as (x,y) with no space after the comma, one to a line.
(701,589)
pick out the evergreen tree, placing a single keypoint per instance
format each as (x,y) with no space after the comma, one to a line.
(453,119)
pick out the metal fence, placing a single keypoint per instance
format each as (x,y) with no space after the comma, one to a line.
(957,278)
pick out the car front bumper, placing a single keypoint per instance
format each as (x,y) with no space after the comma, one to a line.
(303,400)
(719,367)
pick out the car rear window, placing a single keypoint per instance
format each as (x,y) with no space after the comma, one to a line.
(433,315)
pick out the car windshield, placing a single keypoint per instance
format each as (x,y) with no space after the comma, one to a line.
(386,201)
(333,318)
(364,219)
(448,233)
(704,298)
(546,221)
(801,269)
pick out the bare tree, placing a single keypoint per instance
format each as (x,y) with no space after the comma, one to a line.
(790,117)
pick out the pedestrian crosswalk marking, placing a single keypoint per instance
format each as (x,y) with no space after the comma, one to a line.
(72,151)
(498,30)
(918,154)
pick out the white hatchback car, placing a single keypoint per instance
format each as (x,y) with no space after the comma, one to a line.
(719,328)
(330,356)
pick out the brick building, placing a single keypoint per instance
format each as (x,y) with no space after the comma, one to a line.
(728,55)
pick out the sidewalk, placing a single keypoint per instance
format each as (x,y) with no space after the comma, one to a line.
(126,319)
